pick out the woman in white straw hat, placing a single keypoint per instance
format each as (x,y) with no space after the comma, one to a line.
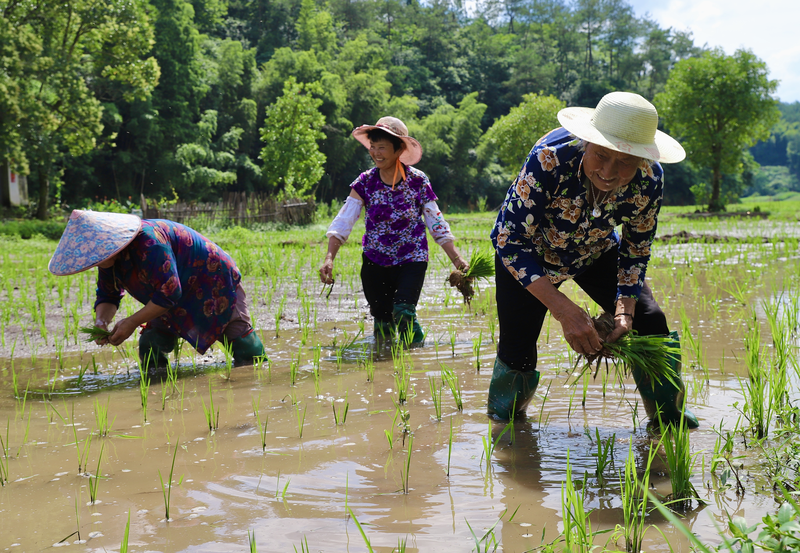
(399,204)
(190,287)
(599,170)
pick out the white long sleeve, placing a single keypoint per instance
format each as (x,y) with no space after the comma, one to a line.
(437,226)
(342,224)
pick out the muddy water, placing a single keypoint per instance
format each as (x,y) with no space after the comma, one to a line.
(300,488)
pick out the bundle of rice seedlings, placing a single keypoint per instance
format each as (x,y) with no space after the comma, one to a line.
(95,333)
(481,265)
(650,354)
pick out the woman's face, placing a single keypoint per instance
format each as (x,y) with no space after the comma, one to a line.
(609,169)
(383,153)
(108,263)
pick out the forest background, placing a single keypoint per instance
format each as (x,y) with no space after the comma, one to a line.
(192,99)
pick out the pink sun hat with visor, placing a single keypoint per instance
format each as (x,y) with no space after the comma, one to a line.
(624,122)
(90,238)
(395,127)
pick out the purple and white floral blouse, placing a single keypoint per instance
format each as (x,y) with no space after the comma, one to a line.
(395,228)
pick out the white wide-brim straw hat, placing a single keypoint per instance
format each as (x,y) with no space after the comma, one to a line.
(395,127)
(90,238)
(624,122)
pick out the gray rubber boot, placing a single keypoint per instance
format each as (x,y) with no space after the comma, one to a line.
(665,400)
(154,346)
(510,390)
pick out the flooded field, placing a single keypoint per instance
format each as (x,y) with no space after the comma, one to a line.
(334,444)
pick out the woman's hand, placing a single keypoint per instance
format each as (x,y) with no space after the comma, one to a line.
(326,271)
(122,331)
(579,331)
(100,323)
(623,323)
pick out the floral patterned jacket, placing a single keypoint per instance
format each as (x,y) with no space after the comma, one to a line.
(176,267)
(548,227)
(394,226)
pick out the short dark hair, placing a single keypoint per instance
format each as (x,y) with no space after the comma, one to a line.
(379,134)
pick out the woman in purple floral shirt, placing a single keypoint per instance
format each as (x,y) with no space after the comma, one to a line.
(399,203)
(189,286)
(579,182)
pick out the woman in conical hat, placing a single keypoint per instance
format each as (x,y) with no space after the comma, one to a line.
(599,170)
(399,204)
(189,286)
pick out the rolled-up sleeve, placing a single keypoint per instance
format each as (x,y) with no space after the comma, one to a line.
(638,234)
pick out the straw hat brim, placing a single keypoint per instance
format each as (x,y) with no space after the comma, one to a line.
(413,150)
(578,121)
(90,238)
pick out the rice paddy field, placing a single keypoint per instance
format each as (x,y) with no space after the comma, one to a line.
(335,444)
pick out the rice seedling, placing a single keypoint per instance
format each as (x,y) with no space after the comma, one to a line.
(301,419)
(212,418)
(123,547)
(278,492)
(94,482)
(361,531)
(4,447)
(436,397)
(604,457)
(481,265)
(262,429)
(476,350)
(101,417)
(577,535)
(488,542)
(757,404)
(450,378)
(166,490)
(407,464)
(680,462)
(144,390)
(337,419)
(293,369)
(489,444)
(87,442)
(451,331)
(633,494)
(251,541)
(401,382)
(390,436)
(449,447)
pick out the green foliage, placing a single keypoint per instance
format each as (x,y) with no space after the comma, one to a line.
(293,163)
(513,135)
(29,228)
(719,105)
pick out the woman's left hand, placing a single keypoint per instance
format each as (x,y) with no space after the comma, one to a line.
(623,323)
(122,331)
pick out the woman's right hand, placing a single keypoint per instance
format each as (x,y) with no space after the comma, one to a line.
(326,271)
(579,331)
(100,323)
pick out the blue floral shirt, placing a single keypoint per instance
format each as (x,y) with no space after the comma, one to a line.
(394,225)
(548,226)
(176,267)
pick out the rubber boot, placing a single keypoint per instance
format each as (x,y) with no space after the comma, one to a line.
(246,348)
(510,390)
(663,401)
(154,346)
(405,316)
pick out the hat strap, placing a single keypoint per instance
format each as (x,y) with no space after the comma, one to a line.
(398,166)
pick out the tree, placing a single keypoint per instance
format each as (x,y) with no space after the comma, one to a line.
(719,105)
(512,136)
(293,163)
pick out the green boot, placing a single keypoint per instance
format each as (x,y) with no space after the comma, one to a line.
(154,347)
(246,348)
(664,400)
(510,390)
(405,316)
